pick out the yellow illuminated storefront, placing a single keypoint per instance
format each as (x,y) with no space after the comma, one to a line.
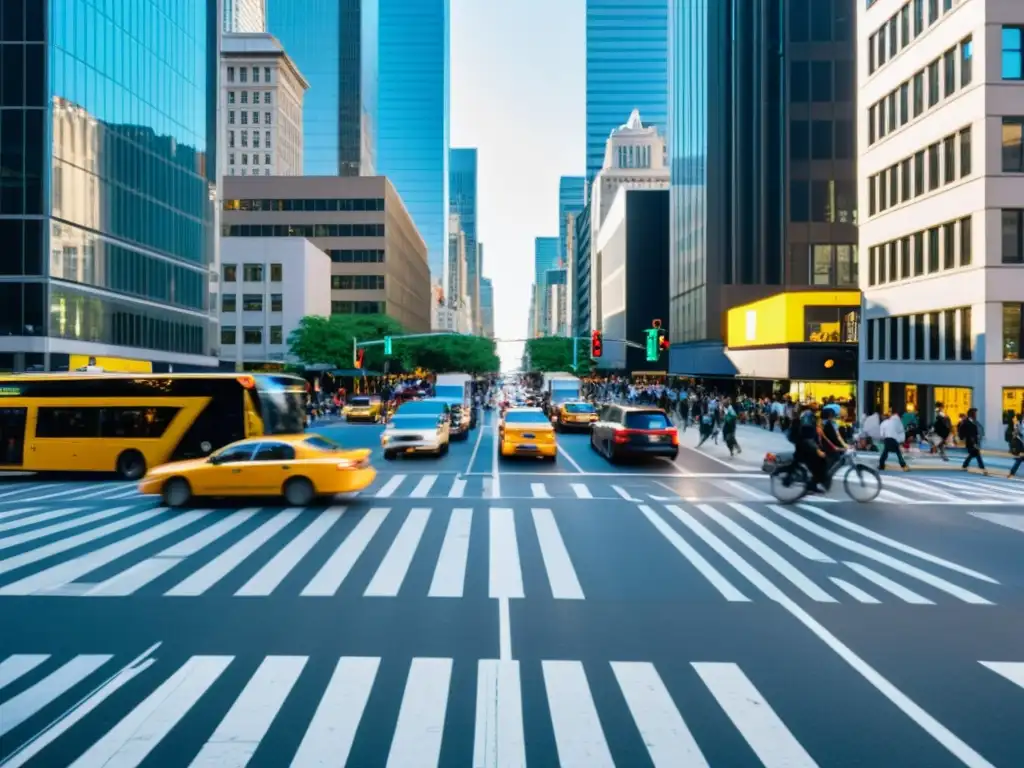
(803,342)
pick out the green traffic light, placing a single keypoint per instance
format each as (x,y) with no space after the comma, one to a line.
(387,345)
(652,345)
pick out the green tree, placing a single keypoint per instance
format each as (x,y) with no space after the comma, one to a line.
(447,354)
(328,340)
(554,353)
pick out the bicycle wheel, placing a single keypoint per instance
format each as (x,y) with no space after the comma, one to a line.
(861,483)
(789,484)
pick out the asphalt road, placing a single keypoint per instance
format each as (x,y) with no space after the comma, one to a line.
(469,612)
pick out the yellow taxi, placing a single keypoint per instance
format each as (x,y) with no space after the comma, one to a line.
(527,432)
(298,467)
(363,408)
(577,414)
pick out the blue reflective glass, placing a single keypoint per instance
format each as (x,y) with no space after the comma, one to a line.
(1012,69)
(545,257)
(462,200)
(627,53)
(570,200)
(412,114)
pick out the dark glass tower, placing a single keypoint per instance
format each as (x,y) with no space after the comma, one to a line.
(106,210)
(357,88)
(462,200)
(762,157)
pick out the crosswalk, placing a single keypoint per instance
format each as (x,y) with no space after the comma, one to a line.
(457,550)
(250,708)
(921,489)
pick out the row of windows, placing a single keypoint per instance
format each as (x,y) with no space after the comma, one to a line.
(244,97)
(103,422)
(831,325)
(934,336)
(252,273)
(357,282)
(358,256)
(245,116)
(833,265)
(826,201)
(820,21)
(907,102)
(1012,64)
(243,74)
(244,138)
(308,204)
(357,308)
(924,171)
(251,334)
(251,302)
(894,35)
(1013,145)
(821,81)
(821,140)
(302,230)
(1013,331)
(245,160)
(945,246)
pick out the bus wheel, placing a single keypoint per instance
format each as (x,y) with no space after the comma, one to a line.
(131,465)
(176,492)
(298,492)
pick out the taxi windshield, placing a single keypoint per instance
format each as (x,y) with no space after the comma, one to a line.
(359,402)
(579,408)
(525,417)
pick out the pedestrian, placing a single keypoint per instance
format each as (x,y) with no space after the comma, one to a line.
(892,437)
(729,429)
(1016,443)
(970,433)
(707,428)
(942,427)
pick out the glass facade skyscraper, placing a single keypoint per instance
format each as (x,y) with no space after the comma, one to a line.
(107,148)
(462,200)
(545,257)
(570,200)
(627,68)
(413,107)
(357,88)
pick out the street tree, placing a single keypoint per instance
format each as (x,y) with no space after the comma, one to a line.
(328,340)
(554,353)
(450,353)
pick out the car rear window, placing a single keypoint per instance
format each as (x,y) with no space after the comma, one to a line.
(525,417)
(321,443)
(579,408)
(647,420)
(359,401)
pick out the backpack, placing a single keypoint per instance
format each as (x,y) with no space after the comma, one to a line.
(794,431)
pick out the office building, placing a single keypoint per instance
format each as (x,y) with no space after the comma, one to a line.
(941,100)
(107,216)
(571,199)
(762,161)
(462,201)
(545,258)
(245,15)
(412,148)
(627,68)
(556,302)
(486,308)
(456,312)
(632,246)
(378,259)
(568,262)
(334,43)
(268,284)
(581,274)
(261,99)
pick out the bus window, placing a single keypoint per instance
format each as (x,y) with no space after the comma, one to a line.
(136,422)
(68,422)
(281,409)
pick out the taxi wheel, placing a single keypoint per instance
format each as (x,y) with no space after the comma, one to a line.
(298,492)
(389,456)
(176,492)
(443,450)
(131,465)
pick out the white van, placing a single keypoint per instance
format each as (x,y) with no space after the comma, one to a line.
(456,389)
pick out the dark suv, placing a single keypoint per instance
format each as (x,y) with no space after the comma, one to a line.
(625,430)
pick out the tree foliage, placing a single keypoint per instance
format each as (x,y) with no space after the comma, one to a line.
(554,353)
(328,340)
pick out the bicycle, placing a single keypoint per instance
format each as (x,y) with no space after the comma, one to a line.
(790,480)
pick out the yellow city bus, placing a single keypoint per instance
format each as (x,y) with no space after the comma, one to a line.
(127,422)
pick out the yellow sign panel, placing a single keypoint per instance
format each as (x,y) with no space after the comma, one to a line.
(110,364)
(779,319)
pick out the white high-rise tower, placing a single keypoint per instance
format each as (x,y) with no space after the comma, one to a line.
(245,15)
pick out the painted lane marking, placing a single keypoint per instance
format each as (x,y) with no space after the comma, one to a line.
(329,578)
(561,574)
(450,572)
(387,581)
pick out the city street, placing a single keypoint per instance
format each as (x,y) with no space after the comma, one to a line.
(470,611)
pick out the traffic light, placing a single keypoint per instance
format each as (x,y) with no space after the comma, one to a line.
(360,354)
(595,344)
(652,345)
(387,346)
(663,342)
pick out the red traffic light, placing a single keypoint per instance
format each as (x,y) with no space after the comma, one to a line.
(663,342)
(595,344)
(360,354)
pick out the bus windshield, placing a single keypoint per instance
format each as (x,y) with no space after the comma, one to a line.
(281,405)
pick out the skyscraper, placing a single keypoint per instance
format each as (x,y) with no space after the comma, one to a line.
(486,308)
(462,200)
(245,15)
(627,68)
(357,92)
(571,190)
(761,150)
(545,257)
(412,113)
(112,255)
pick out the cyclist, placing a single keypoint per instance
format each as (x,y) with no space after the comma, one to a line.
(803,433)
(831,441)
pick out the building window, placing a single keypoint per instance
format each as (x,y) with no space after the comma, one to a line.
(905,337)
(871,339)
(949,72)
(918,239)
(821,201)
(252,302)
(266,161)
(799,201)
(231,138)
(1011,331)
(918,94)
(1013,145)
(1013,53)
(966,340)
(905,180)
(245,97)
(799,140)
(966,61)
(949,329)
(227,334)
(252,273)
(266,142)
(965,241)
(894,339)
(821,265)
(252,334)
(230,273)
(933,336)
(846,265)
(228,302)
(266,74)
(919,174)
(919,337)
(933,250)
(933,167)
(904,258)
(276,334)
(243,75)
(821,140)
(231,158)
(965,152)
(949,160)
(933,83)
(276,273)
(358,307)
(821,81)
(276,302)
(231,74)
(255,74)
(948,246)
(266,118)
(1013,236)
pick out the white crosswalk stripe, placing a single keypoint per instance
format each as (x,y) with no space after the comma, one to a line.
(427,551)
(240,712)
